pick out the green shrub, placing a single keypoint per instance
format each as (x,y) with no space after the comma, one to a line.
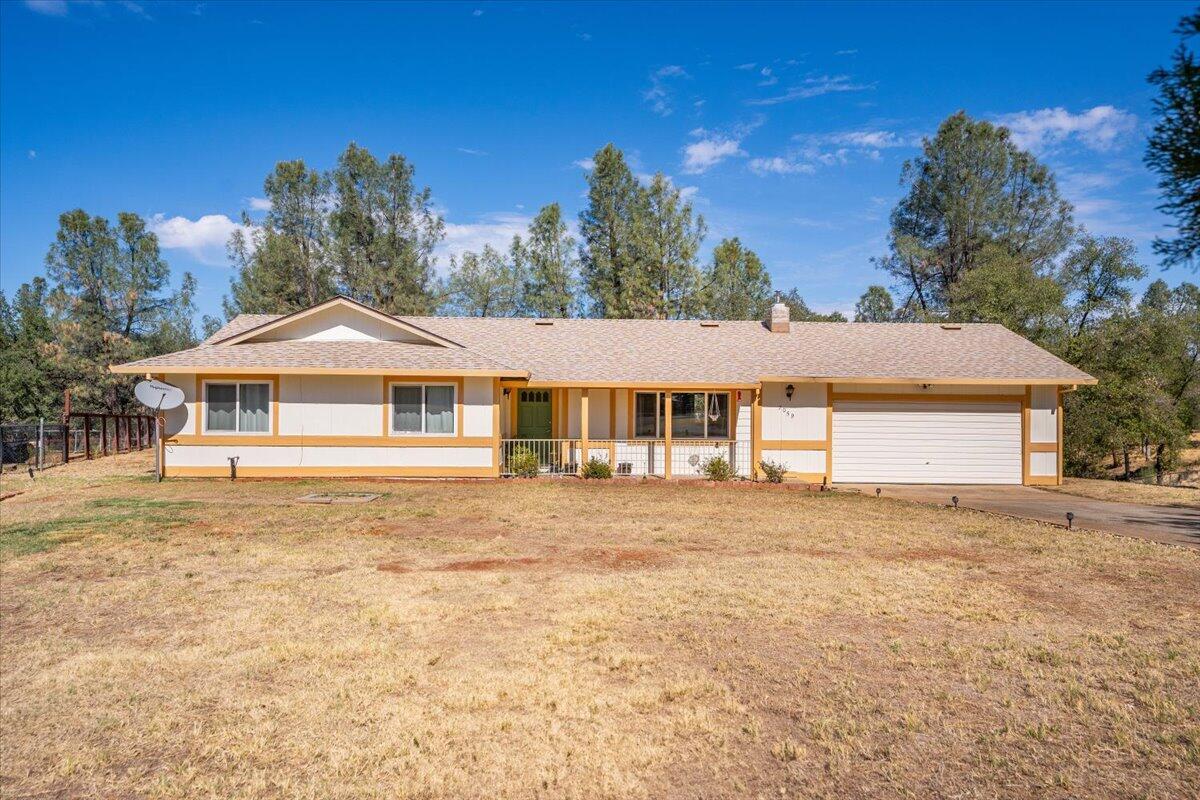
(773,471)
(717,468)
(596,468)
(524,463)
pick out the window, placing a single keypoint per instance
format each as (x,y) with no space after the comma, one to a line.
(694,415)
(423,408)
(237,407)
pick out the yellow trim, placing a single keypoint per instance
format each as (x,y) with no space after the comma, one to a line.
(612,413)
(514,412)
(1025,417)
(829,433)
(202,402)
(641,385)
(1059,476)
(185,369)
(925,398)
(796,444)
(583,428)
(334,472)
(806,477)
(497,399)
(629,402)
(1089,380)
(304,313)
(1043,447)
(330,441)
(1041,480)
(755,431)
(668,424)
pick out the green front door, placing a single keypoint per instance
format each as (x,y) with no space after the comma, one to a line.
(533,414)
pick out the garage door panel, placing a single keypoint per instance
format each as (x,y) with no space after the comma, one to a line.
(926,442)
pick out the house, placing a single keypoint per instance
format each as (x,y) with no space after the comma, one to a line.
(342,389)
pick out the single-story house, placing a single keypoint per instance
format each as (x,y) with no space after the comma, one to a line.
(342,389)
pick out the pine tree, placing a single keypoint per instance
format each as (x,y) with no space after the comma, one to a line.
(384,231)
(284,265)
(669,237)
(1174,148)
(736,284)
(611,274)
(875,305)
(552,279)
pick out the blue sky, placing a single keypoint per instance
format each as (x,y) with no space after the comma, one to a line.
(786,124)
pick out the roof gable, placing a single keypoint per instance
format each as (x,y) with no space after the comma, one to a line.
(339,319)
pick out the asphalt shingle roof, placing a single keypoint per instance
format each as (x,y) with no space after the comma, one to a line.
(655,351)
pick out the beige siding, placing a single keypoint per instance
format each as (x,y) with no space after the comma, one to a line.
(1043,414)
(330,405)
(800,418)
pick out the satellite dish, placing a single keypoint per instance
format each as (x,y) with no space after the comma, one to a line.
(158,395)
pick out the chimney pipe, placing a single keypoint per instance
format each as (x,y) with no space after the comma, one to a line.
(780,320)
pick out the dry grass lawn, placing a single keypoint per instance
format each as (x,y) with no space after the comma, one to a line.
(1128,492)
(550,639)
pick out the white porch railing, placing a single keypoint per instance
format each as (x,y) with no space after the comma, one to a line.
(638,458)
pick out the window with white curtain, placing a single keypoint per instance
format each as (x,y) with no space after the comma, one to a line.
(237,407)
(694,415)
(423,408)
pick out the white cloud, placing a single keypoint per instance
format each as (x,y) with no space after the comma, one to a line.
(32,154)
(51,8)
(659,94)
(813,87)
(689,192)
(768,79)
(779,165)
(1100,128)
(204,238)
(258,204)
(749,65)
(702,155)
(471,152)
(495,228)
(584,163)
(477,12)
(845,52)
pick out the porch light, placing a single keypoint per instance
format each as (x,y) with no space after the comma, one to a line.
(789,391)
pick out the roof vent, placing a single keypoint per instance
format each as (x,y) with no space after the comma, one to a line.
(543,322)
(710,324)
(951,327)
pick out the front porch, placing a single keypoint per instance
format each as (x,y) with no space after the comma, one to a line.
(640,432)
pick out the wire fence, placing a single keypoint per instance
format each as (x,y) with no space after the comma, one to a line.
(41,444)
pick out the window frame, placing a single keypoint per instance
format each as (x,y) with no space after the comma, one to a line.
(237,406)
(424,385)
(660,416)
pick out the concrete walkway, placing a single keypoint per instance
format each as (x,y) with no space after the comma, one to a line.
(1166,524)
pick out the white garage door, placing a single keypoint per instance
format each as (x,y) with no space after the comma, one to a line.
(927,442)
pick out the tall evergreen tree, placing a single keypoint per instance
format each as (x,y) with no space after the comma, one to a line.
(971,187)
(484,284)
(736,284)
(384,231)
(798,310)
(27,385)
(284,264)
(1004,288)
(1174,148)
(550,286)
(875,305)
(669,236)
(611,274)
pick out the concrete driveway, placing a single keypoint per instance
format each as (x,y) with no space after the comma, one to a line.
(1169,525)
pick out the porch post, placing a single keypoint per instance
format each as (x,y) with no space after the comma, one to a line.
(667,437)
(583,427)
(755,431)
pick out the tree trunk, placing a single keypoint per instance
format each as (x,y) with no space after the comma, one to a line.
(1116,462)
(1125,450)
(1158,464)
